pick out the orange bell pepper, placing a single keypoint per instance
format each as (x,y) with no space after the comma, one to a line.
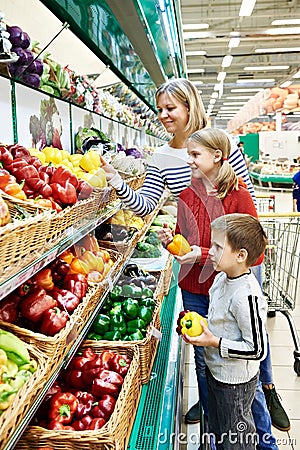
(179,246)
(67,256)
(93,262)
(78,266)
(44,279)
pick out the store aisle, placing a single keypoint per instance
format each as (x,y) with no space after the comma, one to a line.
(286,381)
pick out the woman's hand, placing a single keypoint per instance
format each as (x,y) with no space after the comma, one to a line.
(192,257)
(109,170)
(206,339)
(165,234)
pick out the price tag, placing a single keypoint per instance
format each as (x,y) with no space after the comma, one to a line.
(156,333)
(110,283)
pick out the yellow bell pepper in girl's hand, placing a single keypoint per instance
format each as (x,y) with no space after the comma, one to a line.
(90,161)
(179,246)
(189,323)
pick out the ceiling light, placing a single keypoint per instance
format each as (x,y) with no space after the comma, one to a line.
(214,95)
(234,42)
(196,34)
(246,8)
(234,103)
(196,83)
(239,97)
(297,74)
(286,22)
(195,70)
(227,60)
(247,90)
(277,50)
(196,53)
(221,76)
(286,30)
(195,26)
(286,84)
(212,101)
(257,80)
(229,108)
(250,68)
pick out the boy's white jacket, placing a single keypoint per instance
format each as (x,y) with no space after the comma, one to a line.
(237,314)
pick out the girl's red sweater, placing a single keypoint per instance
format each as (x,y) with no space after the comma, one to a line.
(196,210)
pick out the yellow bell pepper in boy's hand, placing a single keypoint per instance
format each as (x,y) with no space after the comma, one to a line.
(179,246)
(189,323)
(90,161)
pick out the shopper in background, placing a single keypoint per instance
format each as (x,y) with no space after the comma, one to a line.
(181,111)
(235,340)
(215,190)
(296,192)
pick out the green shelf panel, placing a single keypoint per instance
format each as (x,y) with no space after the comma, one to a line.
(95,25)
(272,178)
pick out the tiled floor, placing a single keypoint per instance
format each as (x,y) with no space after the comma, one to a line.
(286,380)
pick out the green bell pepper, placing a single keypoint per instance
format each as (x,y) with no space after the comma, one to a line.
(130,307)
(137,336)
(116,293)
(112,336)
(147,302)
(116,309)
(117,323)
(147,292)
(131,290)
(101,324)
(134,325)
(94,336)
(145,313)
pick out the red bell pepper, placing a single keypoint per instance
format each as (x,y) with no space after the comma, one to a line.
(59,269)
(16,165)
(9,309)
(5,156)
(105,357)
(96,411)
(62,407)
(77,362)
(100,387)
(53,321)
(42,412)
(63,176)
(111,377)
(35,304)
(65,299)
(36,162)
(56,425)
(44,279)
(89,353)
(86,401)
(96,424)
(18,151)
(76,283)
(24,288)
(107,405)
(120,364)
(74,378)
(91,370)
(84,190)
(82,424)
(27,172)
(65,195)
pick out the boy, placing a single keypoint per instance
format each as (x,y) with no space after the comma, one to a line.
(235,340)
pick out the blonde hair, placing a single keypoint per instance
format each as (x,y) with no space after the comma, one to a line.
(186,93)
(213,139)
(243,231)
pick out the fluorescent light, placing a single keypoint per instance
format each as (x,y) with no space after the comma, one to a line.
(196,35)
(230,108)
(195,70)
(286,22)
(227,60)
(246,8)
(239,97)
(266,68)
(234,103)
(257,80)
(297,74)
(277,50)
(247,90)
(234,42)
(286,84)
(197,83)
(214,95)
(221,76)
(212,101)
(195,26)
(196,53)
(279,31)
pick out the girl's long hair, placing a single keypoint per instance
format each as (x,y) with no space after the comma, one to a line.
(213,139)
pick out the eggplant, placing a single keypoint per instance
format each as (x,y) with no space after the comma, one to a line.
(150,279)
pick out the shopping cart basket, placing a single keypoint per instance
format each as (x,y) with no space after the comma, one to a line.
(281,268)
(265,203)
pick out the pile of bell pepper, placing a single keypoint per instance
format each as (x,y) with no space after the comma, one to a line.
(16,367)
(126,314)
(44,303)
(25,177)
(85,394)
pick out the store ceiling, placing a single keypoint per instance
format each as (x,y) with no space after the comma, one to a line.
(255,34)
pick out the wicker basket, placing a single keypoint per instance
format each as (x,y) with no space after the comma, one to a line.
(115,433)
(22,241)
(12,417)
(164,281)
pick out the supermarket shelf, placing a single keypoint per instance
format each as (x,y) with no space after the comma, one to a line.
(274,182)
(159,411)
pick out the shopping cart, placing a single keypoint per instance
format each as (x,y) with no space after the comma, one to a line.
(265,203)
(281,267)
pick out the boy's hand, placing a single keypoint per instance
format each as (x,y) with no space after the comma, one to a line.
(206,339)
(192,257)
(165,234)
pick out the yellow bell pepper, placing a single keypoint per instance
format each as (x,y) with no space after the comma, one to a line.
(179,246)
(65,154)
(67,165)
(90,161)
(75,159)
(189,323)
(53,155)
(93,179)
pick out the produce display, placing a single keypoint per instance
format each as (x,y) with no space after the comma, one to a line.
(150,247)
(16,367)
(114,233)
(85,394)
(127,218)
(128,309)
(189,322)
